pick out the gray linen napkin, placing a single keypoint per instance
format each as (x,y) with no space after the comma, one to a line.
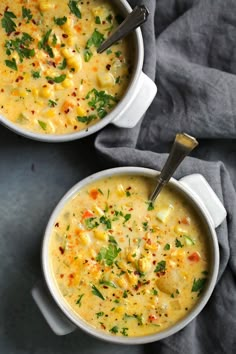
(190,51)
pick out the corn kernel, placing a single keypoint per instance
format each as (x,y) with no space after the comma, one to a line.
(100,235)
(85,238)
(50,113)
(67,53)
(75,62)
(67,83)
(81,111)
(46,5)
(45,92)
(120,190)
(144,264)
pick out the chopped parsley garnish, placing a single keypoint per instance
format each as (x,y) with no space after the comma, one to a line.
(42,124)
(114,330)
(109,18)
(96,292)
(99,314)
(35,74)
(126,217)
(95,40)
(107,283)
(124,331)
(178,243)
(150,206)
(138,317)
(100,101)
(43,44)
(97,20)
(87,55)
(60,21)
(125,294)
(161,267)
(108,254)
(73,6)
(86,119)
(198,285)
(145,226)
(62,66)
(52,103)
(57,79)
(78,302)
(21,46)
(105,221)
(7,23)
(11,64)
(128,194)
(26,13)
(54,39)
(109,51)
(154,292)
(118,53)
(167,247)
(112,240)
(91,223)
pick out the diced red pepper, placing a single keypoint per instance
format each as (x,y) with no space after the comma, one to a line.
(93,193)
(194,257)
(186,220)
(152,318)
(87,214)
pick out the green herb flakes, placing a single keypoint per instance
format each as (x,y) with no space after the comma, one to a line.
(96,292)
(161,267)
(78,302)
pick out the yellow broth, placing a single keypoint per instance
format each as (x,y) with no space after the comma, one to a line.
(125,266)
(52,79)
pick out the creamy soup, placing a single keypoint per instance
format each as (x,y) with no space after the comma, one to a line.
(52,79)
(126,266)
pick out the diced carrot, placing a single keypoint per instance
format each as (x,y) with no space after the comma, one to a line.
(93,193)
(87,214)
(78,28)
(194,257)
(186,220)
(66,105)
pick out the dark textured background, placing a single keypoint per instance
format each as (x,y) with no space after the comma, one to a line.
(190,52)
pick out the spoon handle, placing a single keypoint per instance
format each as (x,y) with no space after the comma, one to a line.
(182,146)
(137,17)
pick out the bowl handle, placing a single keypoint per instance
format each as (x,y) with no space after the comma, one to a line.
(145,93)
(203,191)
(58,322)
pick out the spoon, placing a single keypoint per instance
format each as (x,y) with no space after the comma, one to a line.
(135,19)
(181,147)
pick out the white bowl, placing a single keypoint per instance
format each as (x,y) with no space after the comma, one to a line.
(199,194)
(138,97)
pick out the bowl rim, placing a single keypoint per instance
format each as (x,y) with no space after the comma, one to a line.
(199,206)
(119,110)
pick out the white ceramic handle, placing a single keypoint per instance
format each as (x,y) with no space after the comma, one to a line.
(200,187)
(58,322)
(145,93)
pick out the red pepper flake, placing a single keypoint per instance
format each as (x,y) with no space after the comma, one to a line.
(73,94)
(65,35)
(108,67)
(17,33)
(105,287)
(75,127)
(19,78)
(149,242)
(67,111)
(71,276)
(34,22)
(102,325)
(2,90)
(32,112)
(154,262)
(131,209)
(61,250)
(57,224)
(160,274)
(61,275)
(51,82)
(130,229)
